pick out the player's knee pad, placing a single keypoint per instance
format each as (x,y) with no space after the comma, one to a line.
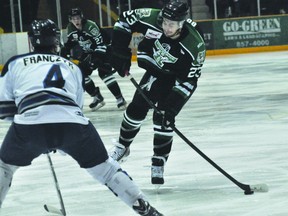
(130,122)
(104,72)
(6,175)
(103,172)
(118,181)
(85,68)
(136,111)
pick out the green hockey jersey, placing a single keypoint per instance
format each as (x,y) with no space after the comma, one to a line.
(89,38)
(181,58)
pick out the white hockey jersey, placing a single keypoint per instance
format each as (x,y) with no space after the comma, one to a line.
(41,88)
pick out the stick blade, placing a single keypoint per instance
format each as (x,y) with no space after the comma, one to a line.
(260,188)
(53,210)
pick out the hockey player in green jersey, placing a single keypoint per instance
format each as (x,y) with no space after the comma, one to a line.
(86,42)
(172,52)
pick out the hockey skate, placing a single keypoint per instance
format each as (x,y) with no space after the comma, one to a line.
(121,103)
(144,208)
(98,102)
(120,152)
(157,170)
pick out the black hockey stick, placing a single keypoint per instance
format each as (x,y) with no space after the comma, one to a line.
(49,208)
(248,189)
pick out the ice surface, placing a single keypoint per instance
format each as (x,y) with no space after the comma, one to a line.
(238,117)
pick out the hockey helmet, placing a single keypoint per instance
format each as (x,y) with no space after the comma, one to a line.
(75,12)
(175,10)
(44,33)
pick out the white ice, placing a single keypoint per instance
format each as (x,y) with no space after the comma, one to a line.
(238,117)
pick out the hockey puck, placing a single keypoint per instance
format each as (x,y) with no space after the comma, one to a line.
(248,192)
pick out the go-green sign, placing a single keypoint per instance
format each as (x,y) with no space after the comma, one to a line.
(250,32)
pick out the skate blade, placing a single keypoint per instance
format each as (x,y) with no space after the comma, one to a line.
(157,187)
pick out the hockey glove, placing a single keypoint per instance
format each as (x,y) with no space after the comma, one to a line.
(168,119)
(64,52)
(120,59)
(98,59)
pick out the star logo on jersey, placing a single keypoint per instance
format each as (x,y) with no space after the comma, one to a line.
(161,54)
(85,45)
(143,12)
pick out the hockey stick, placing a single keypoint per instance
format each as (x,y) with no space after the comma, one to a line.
(49,208)
(248,189)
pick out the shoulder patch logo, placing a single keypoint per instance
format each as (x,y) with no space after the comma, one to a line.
(201,57)
(200,44)
(143,12)
(94,32)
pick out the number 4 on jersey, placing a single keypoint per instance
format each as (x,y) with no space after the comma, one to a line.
(54,78)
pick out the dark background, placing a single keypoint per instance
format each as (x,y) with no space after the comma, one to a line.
(37,9)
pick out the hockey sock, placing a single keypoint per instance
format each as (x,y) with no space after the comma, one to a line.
(90,87)
(6,174)
(162,143)
(129,129)
(112,85)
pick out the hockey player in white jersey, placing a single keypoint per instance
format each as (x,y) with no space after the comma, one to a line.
(42,93)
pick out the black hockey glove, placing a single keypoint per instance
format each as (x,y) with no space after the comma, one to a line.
(65,53)
(120,59)
(92,61)
(168,119)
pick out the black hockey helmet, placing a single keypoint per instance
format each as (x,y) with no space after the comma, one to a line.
(75,12)
(175,10)
(44,33)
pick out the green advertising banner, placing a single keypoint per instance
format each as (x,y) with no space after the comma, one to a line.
(237,33)
(250,32)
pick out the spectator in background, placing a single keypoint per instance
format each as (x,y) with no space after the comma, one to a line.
(236,8)
(148,4)
(283,5)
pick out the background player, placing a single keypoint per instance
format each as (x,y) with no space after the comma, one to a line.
(86,41)
(43,94)
(172,53)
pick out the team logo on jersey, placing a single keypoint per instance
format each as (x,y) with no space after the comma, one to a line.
(75,36)
(161,54)
(85,45)
(153,34)
(94,32)
(201,57)
(143,12)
